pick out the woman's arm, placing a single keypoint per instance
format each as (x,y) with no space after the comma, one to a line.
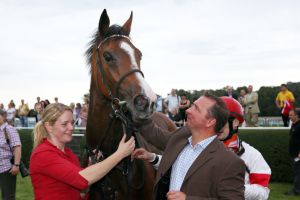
(95,172)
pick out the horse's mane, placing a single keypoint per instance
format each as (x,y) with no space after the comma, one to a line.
(97,38)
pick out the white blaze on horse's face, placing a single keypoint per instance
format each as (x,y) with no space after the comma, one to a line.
(130,52)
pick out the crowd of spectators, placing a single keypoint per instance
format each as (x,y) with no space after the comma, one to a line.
(23,111)
(174,106)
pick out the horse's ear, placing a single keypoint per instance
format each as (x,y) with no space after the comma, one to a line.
(127,25)
(103,23)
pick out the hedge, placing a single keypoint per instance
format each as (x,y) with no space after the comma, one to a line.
(273,144)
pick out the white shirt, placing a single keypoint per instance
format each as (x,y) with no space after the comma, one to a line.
(184,161)
(173,102)
(10,113)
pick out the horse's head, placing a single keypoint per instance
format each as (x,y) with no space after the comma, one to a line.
(116,68)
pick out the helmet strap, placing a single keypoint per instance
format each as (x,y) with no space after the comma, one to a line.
(232,130)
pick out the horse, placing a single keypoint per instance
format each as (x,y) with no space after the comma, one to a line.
(120,100)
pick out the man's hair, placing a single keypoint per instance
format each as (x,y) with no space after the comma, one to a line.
(297,112)
(218,111)
(283,85)
(3,113)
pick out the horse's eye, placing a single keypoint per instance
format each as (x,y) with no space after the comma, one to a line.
(107,56)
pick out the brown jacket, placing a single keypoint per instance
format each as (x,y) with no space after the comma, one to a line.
(216,174)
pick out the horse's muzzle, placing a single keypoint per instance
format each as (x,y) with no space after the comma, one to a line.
(141,103)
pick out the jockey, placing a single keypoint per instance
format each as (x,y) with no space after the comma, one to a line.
(258,172)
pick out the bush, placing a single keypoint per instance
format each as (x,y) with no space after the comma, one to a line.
(27,144)
(273,145)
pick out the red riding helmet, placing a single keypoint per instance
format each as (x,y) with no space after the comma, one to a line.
(235,108)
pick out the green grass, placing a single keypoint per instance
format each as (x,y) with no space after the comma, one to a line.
(24,190)
(278,189)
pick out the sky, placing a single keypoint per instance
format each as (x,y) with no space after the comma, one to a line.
(186,44)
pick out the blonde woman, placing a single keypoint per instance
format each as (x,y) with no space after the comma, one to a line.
(54,168)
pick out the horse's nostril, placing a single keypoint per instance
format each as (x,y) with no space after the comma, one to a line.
(141,102)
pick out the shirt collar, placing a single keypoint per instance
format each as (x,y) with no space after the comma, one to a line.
(202,144)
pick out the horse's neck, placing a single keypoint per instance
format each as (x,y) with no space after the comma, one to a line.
(98,118)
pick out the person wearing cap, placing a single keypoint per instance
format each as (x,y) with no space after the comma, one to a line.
(258,172)
(10,146)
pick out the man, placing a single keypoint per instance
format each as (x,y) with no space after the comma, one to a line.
(251,107)
(241,98)
(38,101)
(195,164)
(294,149)
(159,104)
(258,172)
(10,146)
(284,99)
(23,113)
(172,102)
(230,93)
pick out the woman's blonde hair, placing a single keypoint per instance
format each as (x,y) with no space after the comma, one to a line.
(50,114)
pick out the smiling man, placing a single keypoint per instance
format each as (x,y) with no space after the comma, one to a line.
(195,164)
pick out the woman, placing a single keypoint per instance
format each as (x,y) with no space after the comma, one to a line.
(10,146)
(55,170)
(183,106)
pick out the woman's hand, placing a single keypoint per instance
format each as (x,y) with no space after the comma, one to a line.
(142,154)
(125,148)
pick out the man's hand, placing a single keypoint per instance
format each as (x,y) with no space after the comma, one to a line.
(142,154)
(176,195)
(14,170)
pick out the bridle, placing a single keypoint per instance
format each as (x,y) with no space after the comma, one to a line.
(103,77)
(117,113)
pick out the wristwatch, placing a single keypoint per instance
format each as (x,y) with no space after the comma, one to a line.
(17,165)
(155,161)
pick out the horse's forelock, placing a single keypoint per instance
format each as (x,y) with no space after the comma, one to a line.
(97,38)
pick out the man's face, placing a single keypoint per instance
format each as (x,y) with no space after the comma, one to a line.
(197,114)
(250,88)
(226,130)
(292,115)
(242,93)
(283,88)
(229,89)
(173,92)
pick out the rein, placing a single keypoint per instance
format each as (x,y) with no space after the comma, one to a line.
(105,184)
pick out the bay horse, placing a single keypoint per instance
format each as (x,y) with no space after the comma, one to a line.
(120,98)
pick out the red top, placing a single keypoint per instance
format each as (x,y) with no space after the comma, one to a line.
(54,173)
